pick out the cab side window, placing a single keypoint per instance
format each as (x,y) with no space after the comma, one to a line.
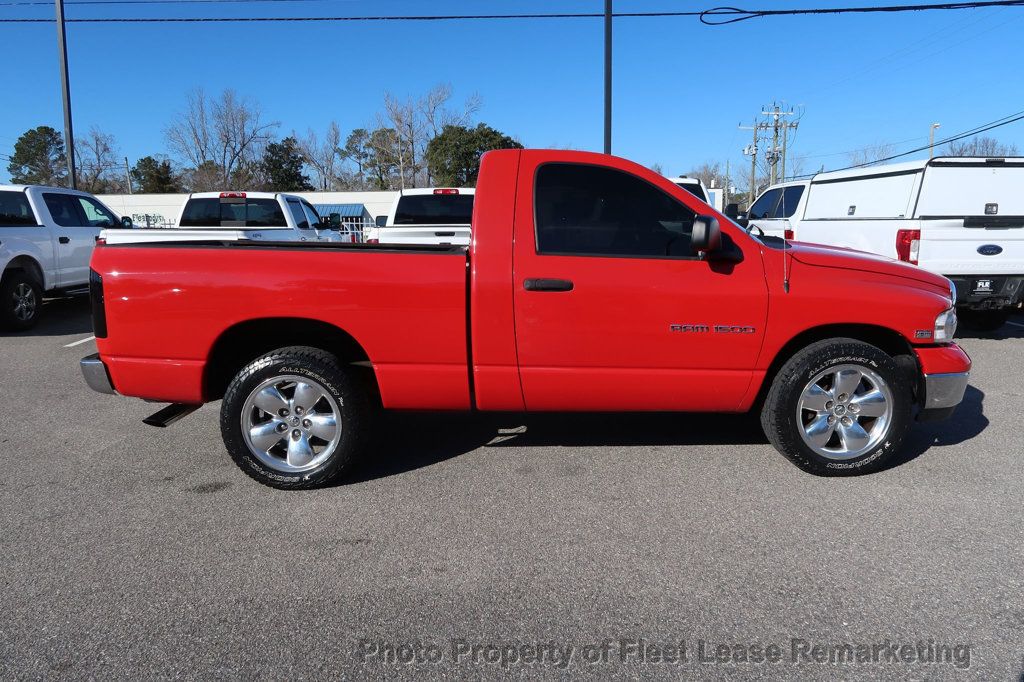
(587,210)
(764,208)
(790,200)
(95,213)
(64,209)
(298,214)
(15,210)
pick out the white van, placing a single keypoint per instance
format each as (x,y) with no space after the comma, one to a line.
(961,217)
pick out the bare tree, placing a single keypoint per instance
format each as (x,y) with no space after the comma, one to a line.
(980,146)
(709,172)
(228,132)
(323,155)
(871,154)
(400,118)
(98,166)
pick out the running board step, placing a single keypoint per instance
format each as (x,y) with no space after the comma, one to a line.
(170,414)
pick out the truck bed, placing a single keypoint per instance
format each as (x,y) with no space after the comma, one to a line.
(405,306)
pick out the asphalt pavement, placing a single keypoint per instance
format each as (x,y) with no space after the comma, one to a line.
(649,545)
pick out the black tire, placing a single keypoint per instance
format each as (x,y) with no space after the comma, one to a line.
(19,286)
(984,320)
(352,396)
(781,416)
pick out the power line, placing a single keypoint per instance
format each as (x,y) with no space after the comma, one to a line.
(736,14)
(998,123)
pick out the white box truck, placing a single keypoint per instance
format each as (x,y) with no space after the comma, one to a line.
(962,217)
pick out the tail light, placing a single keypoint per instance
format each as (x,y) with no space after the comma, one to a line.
(373,241)
(446,191)
(232,195)
(789,234)
(908,245)
(99,311)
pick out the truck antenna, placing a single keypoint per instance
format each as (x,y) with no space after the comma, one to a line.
(785,268)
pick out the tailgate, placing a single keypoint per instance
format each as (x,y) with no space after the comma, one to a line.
(948,247)
(972,216)
(454,235)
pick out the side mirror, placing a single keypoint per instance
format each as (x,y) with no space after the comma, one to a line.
(126,222)
(381,221)
(707,235)
(334,221)
(732,211)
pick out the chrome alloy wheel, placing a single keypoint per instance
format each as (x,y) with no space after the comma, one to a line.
(845,411)
(291,423)
(24,302)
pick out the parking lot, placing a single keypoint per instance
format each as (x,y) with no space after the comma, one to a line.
(129,550)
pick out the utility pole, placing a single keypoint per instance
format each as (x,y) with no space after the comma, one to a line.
(607,76)
(127,175)
(785,138)
(725,195)
(931,140)
(751,151)
(65,87)
(776,123)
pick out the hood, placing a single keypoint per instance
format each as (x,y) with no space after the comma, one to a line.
(850,259)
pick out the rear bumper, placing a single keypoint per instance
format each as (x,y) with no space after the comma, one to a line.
(1002,291)
(96,375)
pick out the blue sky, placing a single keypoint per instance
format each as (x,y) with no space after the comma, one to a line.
(680,88)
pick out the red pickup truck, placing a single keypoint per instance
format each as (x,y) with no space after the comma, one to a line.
(591,283)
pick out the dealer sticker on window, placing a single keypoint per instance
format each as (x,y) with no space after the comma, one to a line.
(983,286)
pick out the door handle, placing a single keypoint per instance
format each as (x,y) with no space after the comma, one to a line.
(548,285)
(64,240)
(444,234)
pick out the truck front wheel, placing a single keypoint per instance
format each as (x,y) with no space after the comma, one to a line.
(838,407)
(294,418)
(20,301)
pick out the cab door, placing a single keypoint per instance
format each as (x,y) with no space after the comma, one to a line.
(77,220)
(613,310)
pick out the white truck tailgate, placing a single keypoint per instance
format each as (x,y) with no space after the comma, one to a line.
(456,235)
(972,217)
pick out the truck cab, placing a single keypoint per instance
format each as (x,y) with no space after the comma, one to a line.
(427,215)
(47,236)
(260,216)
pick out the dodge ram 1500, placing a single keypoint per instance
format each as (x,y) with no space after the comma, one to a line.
(591,283)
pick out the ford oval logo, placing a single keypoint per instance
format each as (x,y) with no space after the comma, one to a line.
(990,250)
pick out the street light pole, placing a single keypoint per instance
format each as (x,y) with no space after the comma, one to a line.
(65,87)
(607,76)
(931,140)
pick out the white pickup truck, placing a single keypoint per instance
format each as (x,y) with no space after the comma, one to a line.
(46,239)
(431,215)
(961,217)
(233,216)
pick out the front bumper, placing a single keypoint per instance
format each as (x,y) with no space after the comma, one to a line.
(945,372)
(96,375)
(942,391)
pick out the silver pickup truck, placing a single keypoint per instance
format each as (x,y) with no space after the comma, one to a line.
(46,239)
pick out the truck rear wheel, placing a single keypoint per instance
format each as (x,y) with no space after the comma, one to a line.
(838,407)
(984,320)
(294,418)
(21,299)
